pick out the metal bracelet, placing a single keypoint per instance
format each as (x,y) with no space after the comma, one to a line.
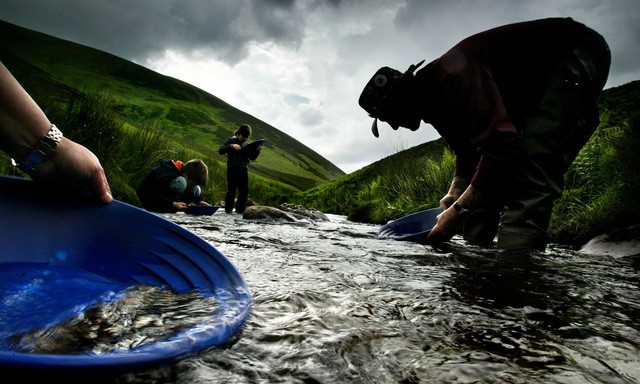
(45,147)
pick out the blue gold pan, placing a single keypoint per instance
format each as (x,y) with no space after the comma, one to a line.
(411,227)
(60,253)
(200,210)
(253,145)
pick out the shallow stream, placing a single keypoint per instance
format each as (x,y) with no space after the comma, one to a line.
(334,304)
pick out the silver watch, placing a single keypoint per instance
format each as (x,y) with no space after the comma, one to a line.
(45,147)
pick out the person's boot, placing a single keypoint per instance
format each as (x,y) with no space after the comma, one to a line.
(241,204)
(522,238)
(228,204)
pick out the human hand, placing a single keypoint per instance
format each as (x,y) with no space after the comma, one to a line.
(73,165)
(204,203)
(179,206)
(447,225)
(236,147)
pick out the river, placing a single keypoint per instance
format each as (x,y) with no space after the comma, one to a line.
(334,304)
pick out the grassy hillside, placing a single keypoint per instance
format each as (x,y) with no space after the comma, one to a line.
(380,191)
(141,97)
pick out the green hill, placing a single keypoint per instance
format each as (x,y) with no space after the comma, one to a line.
(141,97)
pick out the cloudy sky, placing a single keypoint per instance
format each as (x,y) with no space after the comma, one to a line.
(301,65)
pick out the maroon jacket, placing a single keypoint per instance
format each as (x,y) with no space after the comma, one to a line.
(480,90)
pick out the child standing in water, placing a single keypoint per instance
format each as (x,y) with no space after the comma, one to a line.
(238,168)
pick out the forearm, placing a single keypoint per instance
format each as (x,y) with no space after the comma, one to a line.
(473,199)
(465,195)
(458,186)
(22,122)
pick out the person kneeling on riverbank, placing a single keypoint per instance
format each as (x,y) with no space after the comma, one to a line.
(172,185)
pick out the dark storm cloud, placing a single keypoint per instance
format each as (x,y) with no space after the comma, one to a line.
(621,28)
(142,28)
(224,29)
(443,23)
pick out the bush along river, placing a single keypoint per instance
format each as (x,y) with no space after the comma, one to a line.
(332,303)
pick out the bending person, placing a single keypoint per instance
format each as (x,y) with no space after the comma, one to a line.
(172,185)
(515,104)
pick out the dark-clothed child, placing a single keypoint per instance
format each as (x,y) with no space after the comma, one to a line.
(172,185)
(238,168)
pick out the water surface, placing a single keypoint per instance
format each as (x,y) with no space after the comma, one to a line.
(335,304)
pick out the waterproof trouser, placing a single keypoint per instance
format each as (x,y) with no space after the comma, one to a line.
(237,181)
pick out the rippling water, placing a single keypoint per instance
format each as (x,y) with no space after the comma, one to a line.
(334,304)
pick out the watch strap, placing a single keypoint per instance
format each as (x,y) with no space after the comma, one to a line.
(460,210)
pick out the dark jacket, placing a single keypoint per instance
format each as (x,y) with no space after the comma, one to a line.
(154,191)
(481,89)
(237,158)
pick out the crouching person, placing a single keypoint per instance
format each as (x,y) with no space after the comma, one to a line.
(172,185)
